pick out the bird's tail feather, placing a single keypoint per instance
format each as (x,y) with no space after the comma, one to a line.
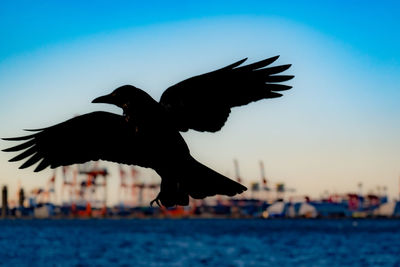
(196,180)
(204,182)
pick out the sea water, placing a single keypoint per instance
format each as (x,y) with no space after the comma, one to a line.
(200,242)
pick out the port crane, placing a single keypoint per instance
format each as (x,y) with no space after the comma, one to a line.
(263,185)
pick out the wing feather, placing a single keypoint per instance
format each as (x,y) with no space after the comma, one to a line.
(203,102)
(21,146)
(93,136)
(260,64)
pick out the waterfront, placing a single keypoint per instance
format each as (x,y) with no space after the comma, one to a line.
(200,242)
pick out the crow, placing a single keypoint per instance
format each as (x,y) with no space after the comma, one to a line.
(148,132)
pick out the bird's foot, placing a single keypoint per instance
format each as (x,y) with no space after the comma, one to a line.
(156,200)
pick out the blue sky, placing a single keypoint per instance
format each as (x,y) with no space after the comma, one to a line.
(337,127)
(28,25)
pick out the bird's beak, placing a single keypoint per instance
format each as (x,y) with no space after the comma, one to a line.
(107,99)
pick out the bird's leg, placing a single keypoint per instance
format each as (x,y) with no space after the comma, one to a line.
(156,200)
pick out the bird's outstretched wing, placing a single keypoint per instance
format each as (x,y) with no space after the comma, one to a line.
(93,136)
(203,102)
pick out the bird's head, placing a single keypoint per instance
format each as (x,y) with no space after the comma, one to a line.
(127,97)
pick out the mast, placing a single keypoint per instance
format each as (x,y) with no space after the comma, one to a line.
(238,178)
(263,177)
(263,180)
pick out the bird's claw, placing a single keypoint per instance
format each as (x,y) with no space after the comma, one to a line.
(157,201)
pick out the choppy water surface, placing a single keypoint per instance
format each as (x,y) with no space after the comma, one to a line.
(208,242)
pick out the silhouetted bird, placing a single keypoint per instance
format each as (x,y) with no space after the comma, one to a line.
(147,134)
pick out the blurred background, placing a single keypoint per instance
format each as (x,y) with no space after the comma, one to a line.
(329,148)
(336,132)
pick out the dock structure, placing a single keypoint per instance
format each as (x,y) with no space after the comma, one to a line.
(21,197)
(87,187)
(4,202)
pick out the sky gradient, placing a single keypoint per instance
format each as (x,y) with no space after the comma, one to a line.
(338,126)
